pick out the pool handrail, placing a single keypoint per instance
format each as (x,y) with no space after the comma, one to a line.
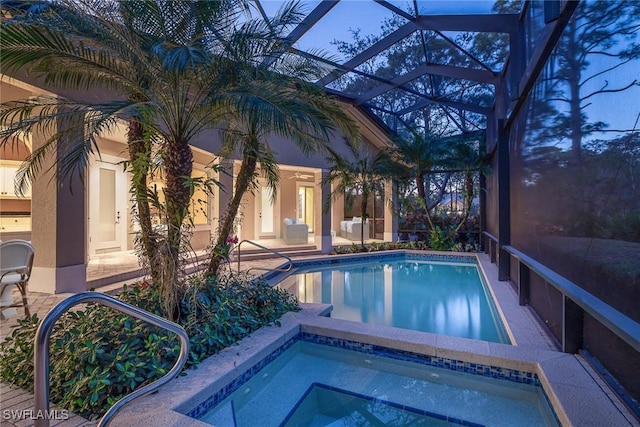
(623,326)
(280,270)
(41,352)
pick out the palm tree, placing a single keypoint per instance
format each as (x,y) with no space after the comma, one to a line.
(464,157)
(361,175)
(154,60)
(424,155)
(418,158)
(34,37)
(272,96)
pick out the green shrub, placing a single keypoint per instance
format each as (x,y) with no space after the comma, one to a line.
(98,355)
(440,239)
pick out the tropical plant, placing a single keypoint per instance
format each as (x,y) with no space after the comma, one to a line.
(431,162)
(359,174)
(417,157)
(275,97)
(465,158)
(33,37)
(441,239)
(153,60)
(103,355)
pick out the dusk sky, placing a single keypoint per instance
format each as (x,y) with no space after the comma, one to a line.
(367,16)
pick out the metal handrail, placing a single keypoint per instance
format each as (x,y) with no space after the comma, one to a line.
(41,351)
(620,324)
(491,236)
(280,270)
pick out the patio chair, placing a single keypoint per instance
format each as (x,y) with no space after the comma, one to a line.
(16,260)
(295,233)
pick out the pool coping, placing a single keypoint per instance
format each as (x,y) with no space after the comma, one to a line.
(575,392)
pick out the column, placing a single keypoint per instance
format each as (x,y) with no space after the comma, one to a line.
(58,227)
(337,213)
(504,202)
(390,215)
(322,231)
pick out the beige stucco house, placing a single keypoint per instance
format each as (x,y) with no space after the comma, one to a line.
(71,222)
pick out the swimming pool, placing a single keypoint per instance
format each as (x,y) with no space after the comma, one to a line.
(410,292)
(576,392)
(316,380)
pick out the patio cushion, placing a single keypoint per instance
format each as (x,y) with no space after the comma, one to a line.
(295,233)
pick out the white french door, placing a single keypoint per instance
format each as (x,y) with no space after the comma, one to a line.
(107,207)
(266,214)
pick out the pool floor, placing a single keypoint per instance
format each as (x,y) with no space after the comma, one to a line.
(281,387)
(323,405)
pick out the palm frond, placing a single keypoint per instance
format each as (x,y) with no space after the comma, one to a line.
(71,130)
(64,62)
(270,170)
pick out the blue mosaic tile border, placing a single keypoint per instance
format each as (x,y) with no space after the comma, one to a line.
(377,257)
(440,362)
(497,372)
(464,259)
(222,394)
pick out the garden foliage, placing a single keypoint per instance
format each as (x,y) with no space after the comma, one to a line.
(98,355)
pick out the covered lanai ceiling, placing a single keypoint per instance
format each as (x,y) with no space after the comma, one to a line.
(410,63)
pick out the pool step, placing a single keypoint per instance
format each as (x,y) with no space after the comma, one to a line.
(137,274)
(226,415)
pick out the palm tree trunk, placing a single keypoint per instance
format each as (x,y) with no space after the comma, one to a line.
(139,153)
(423,196)
(178,165)
(245,177)
(468,181)
(420,187)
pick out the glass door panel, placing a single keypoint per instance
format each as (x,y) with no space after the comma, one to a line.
(107,213)
(107,208)
(267,215)
(306,206)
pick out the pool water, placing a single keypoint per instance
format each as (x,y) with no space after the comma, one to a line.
(324,405)
(313,384)
(437,297)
